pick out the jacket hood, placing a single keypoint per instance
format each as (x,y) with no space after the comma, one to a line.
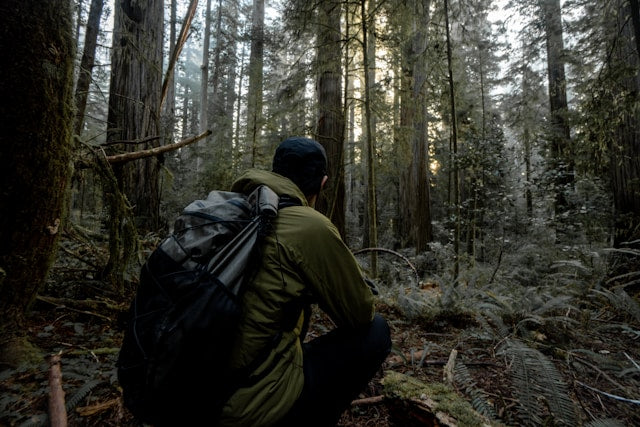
(252,178)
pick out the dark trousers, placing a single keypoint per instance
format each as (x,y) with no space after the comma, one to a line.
(338,366)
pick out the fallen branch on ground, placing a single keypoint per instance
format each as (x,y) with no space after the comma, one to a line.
(57,410)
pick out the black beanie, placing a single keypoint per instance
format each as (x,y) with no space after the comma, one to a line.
(303,161)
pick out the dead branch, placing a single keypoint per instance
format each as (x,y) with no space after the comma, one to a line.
(368,401)
(87,304)
(389,251)
(87,411)
(57,410)
(401,359)
(156,151)
(131,142)
(182,38)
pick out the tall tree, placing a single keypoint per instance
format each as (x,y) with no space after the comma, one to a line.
(330,124)
(415,221)
(561,155)
(87,62)
(36,105)
(134,100)
(624,148)
(454,144)
(255,72)
(204,91)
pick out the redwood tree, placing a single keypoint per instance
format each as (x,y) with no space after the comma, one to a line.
(36,101)
(134,100)
(330,125)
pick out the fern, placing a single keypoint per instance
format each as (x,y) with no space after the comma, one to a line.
(79,395)
(479,401)
(534,376)
(605,422)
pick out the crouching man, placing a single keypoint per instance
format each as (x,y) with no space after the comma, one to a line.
(303,261)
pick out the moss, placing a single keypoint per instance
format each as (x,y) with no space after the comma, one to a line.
(19,352)
(446,399)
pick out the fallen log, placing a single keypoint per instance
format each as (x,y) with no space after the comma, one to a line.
(412,402)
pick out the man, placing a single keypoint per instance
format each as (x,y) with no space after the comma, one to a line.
(303,260)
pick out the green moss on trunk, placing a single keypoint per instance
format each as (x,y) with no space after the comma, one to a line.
(36,108)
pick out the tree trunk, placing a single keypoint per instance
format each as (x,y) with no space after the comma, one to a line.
(454,144)
(255,71)
(134,100)
(87,62)
(559,133)
(419,159)
(36,106)
(372,207)
(330,125)
(169,107)
(625,147)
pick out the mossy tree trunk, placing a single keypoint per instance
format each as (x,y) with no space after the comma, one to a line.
(36,106)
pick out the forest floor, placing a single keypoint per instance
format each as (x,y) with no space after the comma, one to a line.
(80,318)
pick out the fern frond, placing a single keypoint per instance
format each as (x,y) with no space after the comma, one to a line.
(534,376)
(479,401)
(605,422)
(81,394)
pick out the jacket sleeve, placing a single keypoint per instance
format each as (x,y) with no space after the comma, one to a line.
(334,275)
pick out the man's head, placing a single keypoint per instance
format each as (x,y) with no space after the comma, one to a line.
(304,162)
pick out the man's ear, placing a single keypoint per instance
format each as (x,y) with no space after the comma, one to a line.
(324,181)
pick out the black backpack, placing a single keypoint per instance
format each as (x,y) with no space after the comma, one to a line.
(173,364)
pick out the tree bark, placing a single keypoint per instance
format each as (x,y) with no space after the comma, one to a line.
(36,99)
(255,72)
(134,99)
(625,147)
(330,124)
(87,63)
(372,205)
(561,161)
(454,145)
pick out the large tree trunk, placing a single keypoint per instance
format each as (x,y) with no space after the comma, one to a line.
(330,125)
(134,100)
(370,148)
(255,71)
(36,99)
(561,161)
(87,62)
(415,221)
(625,148)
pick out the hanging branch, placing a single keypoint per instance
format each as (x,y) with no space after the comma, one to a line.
(126,157)
(182,39)
(389,251)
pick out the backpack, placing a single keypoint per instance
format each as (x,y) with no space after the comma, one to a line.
(173,363)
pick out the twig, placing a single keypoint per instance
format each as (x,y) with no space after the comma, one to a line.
(134,155)
(368,401)
(613,396)
(48,300)
(389,251)
(57,410)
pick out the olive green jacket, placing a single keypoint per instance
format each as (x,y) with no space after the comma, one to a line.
(304,257)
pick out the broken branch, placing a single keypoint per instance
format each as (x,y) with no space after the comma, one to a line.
(57,410)
(156,151)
